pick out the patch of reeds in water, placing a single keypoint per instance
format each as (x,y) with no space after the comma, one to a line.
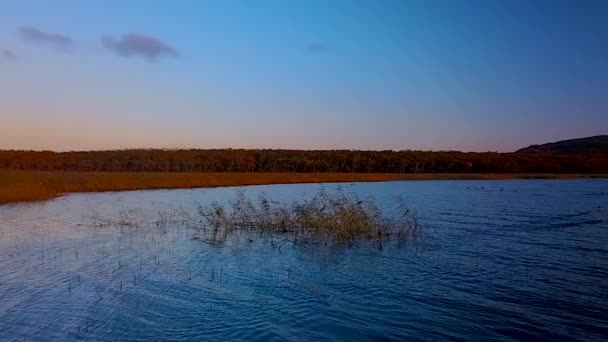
(325,218)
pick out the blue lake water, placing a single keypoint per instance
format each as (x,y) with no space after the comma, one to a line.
(499,260)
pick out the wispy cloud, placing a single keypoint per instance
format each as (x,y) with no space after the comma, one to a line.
(7,55)
(35,35)
(317,47)
(135,44)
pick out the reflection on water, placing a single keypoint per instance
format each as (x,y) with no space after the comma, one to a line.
(507,260)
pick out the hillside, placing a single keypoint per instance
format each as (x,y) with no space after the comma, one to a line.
(596,144)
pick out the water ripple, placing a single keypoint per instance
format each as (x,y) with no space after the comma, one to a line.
(501,260)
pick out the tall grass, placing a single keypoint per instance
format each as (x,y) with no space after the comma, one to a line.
(17,186)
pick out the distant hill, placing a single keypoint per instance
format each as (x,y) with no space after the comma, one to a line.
(596,144)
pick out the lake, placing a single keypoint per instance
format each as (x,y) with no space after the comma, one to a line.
(497,260)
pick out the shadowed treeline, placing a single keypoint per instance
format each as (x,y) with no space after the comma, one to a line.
(299,161)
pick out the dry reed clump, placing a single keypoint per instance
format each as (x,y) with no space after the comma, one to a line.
(333,218)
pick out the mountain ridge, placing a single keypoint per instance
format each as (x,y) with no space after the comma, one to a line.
(593,144)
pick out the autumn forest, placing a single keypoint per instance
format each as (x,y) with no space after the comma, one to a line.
(300,161)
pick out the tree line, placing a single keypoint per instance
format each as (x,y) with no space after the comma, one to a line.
(335,161)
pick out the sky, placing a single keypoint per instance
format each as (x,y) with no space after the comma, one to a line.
(466,75)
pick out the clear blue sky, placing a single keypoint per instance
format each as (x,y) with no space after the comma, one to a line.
(360,74)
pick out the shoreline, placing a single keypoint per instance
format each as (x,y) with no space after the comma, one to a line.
(26,186)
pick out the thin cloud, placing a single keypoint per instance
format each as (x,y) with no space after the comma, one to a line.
(135,44)
(7,55)
(317,47)
(35,35)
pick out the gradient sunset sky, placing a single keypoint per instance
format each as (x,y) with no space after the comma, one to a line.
(307,74)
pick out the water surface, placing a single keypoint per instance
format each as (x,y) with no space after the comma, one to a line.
(499,260)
